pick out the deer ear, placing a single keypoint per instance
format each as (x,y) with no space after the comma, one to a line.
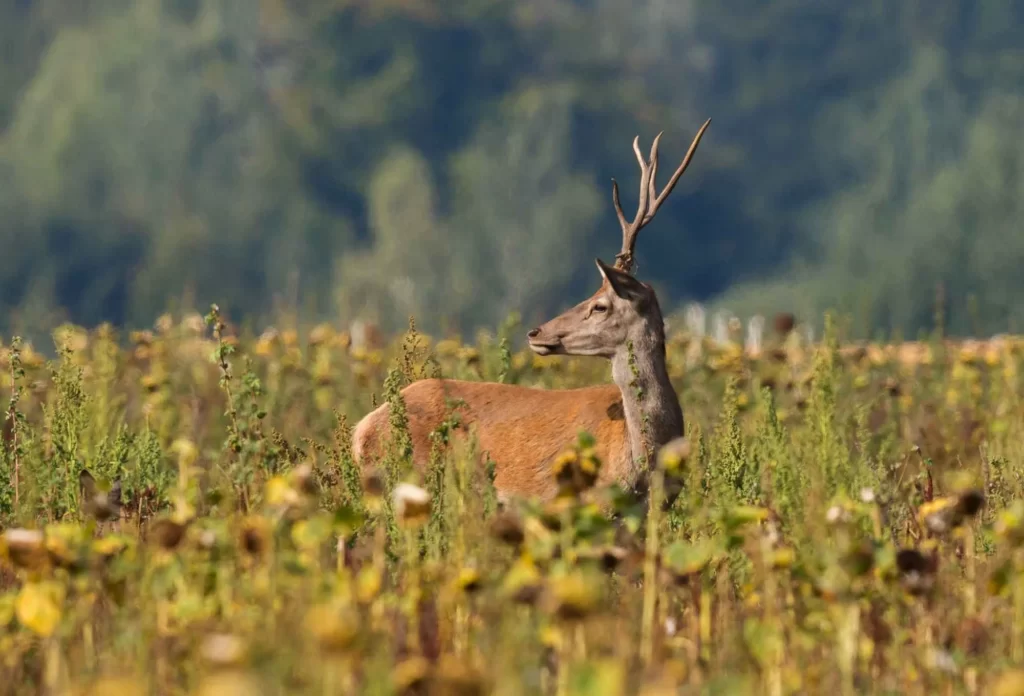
(623,284)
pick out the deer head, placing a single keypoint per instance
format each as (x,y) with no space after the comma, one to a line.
(623,308)
(601,324)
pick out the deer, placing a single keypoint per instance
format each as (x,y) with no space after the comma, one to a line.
(524,429)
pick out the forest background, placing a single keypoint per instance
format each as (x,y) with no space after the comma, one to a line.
(452,159)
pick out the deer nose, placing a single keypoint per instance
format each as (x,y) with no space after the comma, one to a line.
(533,333)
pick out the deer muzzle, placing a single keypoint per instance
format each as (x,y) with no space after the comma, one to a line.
(542,343)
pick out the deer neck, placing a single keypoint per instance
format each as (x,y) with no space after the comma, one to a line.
(650,403)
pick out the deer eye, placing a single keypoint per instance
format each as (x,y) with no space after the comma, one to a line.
(600,308)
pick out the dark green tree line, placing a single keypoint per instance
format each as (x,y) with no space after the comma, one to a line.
(452,159)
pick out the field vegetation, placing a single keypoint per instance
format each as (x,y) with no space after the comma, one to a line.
(181,514)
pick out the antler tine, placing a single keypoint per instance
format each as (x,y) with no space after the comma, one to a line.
(657,201)
(618,208)
(652,188)
(644,203)
(644,192)
(624,259)
(650,200)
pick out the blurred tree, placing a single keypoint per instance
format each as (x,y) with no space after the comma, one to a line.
(514,176)
(409,241)
(148,160)
(935,199)
(451,158)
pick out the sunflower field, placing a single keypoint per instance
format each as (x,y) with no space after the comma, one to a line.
(181,514)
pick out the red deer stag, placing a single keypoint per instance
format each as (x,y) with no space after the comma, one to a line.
(524,429)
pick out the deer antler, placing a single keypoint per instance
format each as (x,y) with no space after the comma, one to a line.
(650,200)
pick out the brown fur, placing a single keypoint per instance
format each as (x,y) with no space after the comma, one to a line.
(523,437)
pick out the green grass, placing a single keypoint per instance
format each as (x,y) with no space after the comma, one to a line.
(846,524)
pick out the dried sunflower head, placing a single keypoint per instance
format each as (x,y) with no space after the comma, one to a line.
(576,471)
(411,504)
(24,548)
(373,492)
(573,596)
(508,528)
(468,581)
(67,546)
(523,583)
(335,629)
(255,536)
(411,676)
(917,571)
(783,323)
(942,515)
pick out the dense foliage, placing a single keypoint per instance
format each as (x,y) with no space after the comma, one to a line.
(183,516)
(452,158)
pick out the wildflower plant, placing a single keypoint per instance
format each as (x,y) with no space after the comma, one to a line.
(181,512)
